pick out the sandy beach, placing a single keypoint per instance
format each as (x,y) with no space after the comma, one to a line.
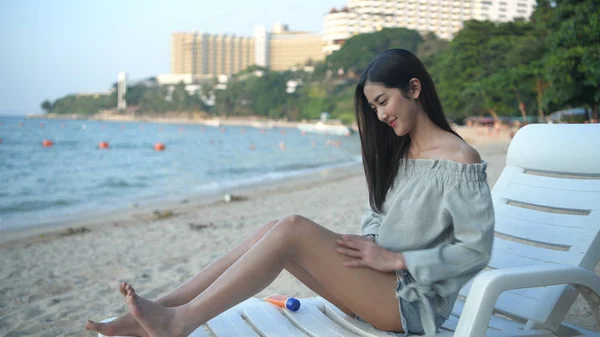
(51,283)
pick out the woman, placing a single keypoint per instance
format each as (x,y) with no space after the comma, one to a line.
(428,228)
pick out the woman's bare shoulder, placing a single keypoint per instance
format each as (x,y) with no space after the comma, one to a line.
(459,151)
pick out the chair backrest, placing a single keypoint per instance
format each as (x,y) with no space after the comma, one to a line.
(547,204)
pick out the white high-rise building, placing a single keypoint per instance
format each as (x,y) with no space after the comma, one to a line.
(261,46)
(503,11)
(121,90)
(442,17)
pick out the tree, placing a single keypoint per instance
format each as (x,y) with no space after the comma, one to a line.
(84,104)
(572,63)
(356,53)
(459,71)
(430,47)
(134,94)
(491,68)
(46,106)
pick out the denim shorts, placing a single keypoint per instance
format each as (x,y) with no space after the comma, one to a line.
(409,311)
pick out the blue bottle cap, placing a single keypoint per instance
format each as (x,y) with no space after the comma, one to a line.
(292,304)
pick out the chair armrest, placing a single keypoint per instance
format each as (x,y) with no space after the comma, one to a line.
(487,286)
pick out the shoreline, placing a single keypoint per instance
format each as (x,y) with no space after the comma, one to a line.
(255,121)
(55,228)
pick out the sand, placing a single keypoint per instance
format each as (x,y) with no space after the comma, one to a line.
(51,283)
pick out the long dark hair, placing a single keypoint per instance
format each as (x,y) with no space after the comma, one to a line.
(382,149)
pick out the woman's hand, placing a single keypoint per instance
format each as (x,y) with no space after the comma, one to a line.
(366,253)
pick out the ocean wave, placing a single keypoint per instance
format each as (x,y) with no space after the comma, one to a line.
(34,205)
(280,173)
(239,170)
(120,183)
(292,167)
(299,166)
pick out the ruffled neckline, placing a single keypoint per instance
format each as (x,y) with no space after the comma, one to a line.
(443,167)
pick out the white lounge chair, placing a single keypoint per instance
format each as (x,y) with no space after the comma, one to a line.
(547,203)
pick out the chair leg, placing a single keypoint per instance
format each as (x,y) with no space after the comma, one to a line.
(593,301)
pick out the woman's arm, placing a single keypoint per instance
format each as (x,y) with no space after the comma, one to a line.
(370,222)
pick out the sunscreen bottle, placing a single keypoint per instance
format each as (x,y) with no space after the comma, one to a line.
(283,301)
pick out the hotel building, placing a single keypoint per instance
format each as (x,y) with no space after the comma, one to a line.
(206,56)
(442,17)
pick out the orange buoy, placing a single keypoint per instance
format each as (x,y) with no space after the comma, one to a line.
(103,145)
(159,147)
(47,143)
(252,146)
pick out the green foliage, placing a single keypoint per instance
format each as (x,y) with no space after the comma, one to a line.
(151,100)
(84,104)
(134,94)
(344,104)
(490,69)
(429,48)
(572,64)
(47,106)
(358,51)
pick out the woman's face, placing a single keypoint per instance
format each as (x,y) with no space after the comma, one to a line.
(393,108)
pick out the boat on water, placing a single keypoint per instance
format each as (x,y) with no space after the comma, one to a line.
(326,128)
(212,122)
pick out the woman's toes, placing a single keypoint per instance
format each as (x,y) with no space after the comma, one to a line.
(98,327)
(90,325)
(131,295)
(122,289)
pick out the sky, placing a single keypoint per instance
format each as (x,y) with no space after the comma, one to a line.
(49,49)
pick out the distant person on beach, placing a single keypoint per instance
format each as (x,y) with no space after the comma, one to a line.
(427,230)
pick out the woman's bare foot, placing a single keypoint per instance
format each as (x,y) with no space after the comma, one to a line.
(125,325)
(157,320)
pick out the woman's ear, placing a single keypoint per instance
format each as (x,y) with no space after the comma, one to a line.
(415,88)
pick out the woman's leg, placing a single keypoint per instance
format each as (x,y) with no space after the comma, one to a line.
(366,292)
(127,325)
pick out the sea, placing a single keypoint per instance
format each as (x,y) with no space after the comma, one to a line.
(75,179)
